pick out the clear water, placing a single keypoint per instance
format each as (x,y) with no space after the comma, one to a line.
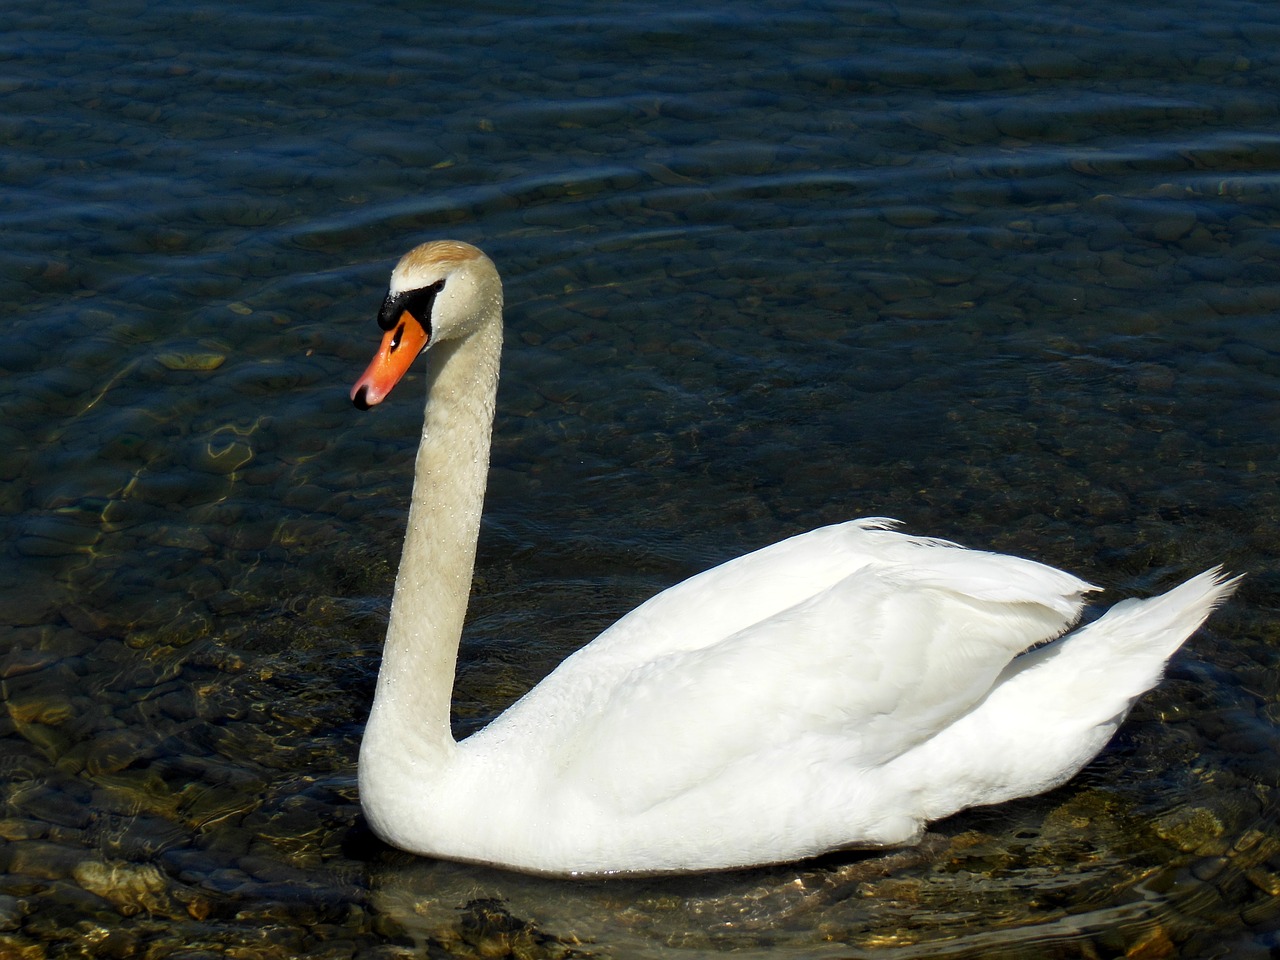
(1009,272)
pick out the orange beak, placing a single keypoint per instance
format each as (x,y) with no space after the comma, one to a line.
(400,347)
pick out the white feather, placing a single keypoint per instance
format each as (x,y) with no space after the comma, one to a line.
(840,688)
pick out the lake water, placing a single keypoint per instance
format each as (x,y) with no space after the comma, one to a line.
(1007,271)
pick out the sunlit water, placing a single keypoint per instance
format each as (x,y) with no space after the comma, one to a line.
(1009,272)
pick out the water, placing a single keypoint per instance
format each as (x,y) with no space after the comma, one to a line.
(1007,272)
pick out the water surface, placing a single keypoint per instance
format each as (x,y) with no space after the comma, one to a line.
(1008,272)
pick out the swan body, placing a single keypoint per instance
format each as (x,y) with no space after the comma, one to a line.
(837,689)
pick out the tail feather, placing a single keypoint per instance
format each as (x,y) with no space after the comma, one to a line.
(1053,709)
(1123,653)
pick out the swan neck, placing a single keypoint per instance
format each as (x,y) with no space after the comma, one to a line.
(415,683)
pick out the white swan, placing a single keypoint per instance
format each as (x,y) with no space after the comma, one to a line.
(837,689)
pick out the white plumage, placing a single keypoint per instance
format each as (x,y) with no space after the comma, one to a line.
(840,688)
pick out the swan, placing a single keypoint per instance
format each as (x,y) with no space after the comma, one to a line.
(837,689)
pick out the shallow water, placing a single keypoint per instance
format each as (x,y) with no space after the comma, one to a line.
(1007,272)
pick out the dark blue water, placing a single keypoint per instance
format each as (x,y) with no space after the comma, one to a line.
(1009,272)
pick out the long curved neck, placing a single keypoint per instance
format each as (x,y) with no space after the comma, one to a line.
(415,683)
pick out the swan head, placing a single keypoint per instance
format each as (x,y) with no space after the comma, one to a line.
(441,290)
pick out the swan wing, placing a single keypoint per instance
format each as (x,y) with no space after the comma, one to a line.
(856,641)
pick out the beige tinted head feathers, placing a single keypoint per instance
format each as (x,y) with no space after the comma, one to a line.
(440,290)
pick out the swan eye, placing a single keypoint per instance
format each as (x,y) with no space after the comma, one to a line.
(417,303)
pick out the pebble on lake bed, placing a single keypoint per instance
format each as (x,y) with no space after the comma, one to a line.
(195,362)
(130,888)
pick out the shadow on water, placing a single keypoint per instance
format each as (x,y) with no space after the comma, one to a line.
(958,894)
